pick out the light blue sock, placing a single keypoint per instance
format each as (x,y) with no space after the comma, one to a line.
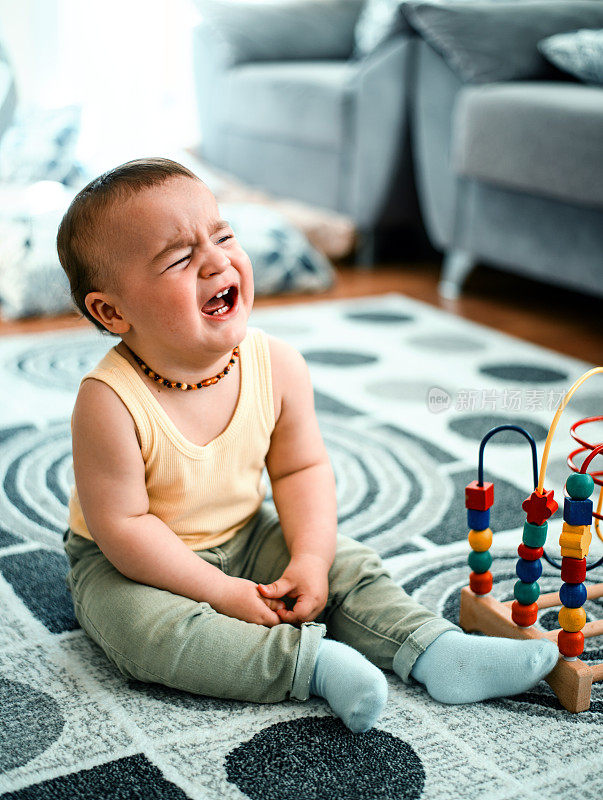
(457,668)
(355,688)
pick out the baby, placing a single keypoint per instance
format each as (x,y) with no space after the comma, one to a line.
(179,570)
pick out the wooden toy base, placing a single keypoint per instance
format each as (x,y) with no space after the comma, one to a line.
(570,680)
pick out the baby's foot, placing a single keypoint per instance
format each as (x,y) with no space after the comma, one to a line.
(457,668)
(355,689)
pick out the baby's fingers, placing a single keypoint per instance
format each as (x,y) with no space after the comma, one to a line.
(273,604)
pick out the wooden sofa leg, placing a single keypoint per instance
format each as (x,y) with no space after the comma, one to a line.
(455,268)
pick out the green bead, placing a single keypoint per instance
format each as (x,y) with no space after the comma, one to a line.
(580,485)
(526,593)
(534,535)
(480,562)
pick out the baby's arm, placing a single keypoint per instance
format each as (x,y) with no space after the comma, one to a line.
(110,478)
(303,483)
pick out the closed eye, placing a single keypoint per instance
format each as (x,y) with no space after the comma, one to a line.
(222,239)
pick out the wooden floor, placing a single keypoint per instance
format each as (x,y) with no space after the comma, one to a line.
(561,320)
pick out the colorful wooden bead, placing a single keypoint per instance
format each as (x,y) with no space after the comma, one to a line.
(579,485)
(572,619)
(480,583)
(479,498)
(524,615)
(570,644)
(529,553)
(534,535)
(539,507)
(578,512)
(573,595)
(575,540)
(478,520)
(480,540)
(480,561)
(526,593)
(573,570)
(528,571)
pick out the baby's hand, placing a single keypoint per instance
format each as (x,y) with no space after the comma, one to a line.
(242,600)
(306,579)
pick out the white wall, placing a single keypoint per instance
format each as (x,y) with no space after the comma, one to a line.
(128,62)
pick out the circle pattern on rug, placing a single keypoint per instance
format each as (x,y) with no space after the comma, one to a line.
(319,758)
(447,342)
(523,373)
(31,722)
(476,426)
(339,358)
(384,317)
(60,366)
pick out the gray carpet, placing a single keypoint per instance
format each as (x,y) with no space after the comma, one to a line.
(404,393)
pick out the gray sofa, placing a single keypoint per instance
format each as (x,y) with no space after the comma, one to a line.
(505,151)
(508,150)
(284,106)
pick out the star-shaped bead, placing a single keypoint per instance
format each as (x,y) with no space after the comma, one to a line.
(539,507)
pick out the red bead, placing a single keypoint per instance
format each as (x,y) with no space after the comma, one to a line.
(573,570)
(524,615)
(570,644)
(479,498)
(529,553)
(480,583)
(539,507)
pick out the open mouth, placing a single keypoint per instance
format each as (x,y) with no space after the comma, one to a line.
(223,304)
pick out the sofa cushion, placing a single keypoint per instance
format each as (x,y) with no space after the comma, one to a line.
(297,101)
(579,52)
(378,21)
(274,31)
(538,137)
(486,41)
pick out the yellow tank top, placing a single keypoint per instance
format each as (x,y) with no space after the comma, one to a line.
(205,494)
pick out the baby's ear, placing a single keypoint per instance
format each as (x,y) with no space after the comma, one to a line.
(106,313)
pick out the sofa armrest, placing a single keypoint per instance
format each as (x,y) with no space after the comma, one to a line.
(485,41)
(281,31)
(380,139)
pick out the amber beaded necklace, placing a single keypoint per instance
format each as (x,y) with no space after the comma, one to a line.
(179,384)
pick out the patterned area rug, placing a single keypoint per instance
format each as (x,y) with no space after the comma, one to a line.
(404,393)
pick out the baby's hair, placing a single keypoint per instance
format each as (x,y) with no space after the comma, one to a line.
(79,241)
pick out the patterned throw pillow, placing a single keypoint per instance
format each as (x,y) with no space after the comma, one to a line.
(40,146)
(33,283)
(580,53)
(282,257)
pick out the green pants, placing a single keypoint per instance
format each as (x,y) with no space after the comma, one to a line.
(155,636)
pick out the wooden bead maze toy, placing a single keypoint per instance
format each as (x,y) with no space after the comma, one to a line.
(571,679)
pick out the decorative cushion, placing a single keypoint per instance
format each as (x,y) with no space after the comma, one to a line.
(33,283)
(283,259)
(580,53)
(497,41)
(40,145)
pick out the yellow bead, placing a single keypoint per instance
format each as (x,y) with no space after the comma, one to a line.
(572,619)
(480,540)
(575,540)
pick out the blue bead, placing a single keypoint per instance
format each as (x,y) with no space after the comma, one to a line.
(478,520)
(572,595)
(578,512)
(528,571)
